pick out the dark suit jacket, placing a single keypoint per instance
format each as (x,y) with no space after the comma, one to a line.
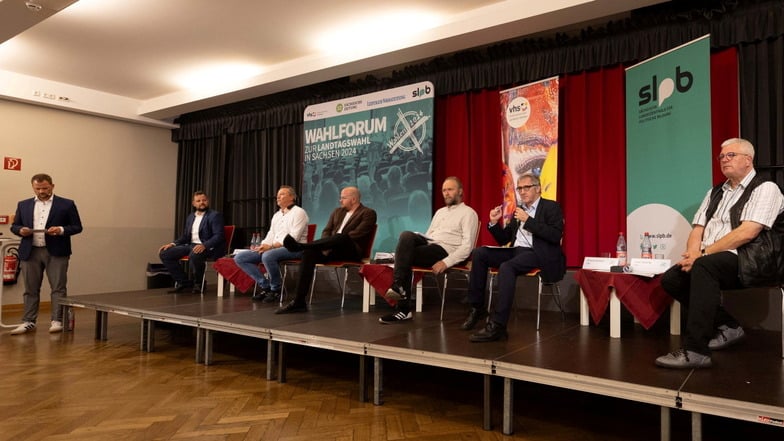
(63,214)
(547,230)
(210,233)
(359,227)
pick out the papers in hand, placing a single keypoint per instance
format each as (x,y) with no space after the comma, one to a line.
(384,257)
(239,250)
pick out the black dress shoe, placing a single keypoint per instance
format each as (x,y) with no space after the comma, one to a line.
(493,331)
(261,293)
(197,288)
(292,245)
(180,287)
(292,306)
(271,297)
(473,318)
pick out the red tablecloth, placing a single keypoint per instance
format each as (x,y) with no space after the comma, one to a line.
(231,272)
(379,276)
(642,296)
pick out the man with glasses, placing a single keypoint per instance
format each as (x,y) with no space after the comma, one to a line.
(729,220)
(447,242)
(534,235)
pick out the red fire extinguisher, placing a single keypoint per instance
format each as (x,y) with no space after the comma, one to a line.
(11,267)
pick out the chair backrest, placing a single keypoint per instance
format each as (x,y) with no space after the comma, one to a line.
(228,235)
(311,232)
(367,251)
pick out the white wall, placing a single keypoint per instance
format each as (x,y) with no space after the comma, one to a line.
(122,177)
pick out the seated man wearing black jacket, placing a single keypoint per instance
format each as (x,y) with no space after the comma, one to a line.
(535,235)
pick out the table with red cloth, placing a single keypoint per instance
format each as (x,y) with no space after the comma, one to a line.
(227,269)
(643,296)
(379,276)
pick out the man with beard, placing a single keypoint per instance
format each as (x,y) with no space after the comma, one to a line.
(447,242)
(45,223)
(201,239)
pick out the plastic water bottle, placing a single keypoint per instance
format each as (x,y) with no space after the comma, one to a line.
(620,249)
(645,247)
(254,242)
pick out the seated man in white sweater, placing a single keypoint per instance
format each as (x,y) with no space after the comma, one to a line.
(447,242)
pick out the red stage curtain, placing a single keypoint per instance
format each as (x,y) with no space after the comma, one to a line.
(468,145)
(592,179)
(592,150)
(725,107)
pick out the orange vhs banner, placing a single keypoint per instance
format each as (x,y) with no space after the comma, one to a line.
(529,138)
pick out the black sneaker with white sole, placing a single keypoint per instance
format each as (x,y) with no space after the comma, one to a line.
(396,317)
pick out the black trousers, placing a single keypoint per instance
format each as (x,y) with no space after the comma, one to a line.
(699,292)
(328,249)
(413,250)
(511,262)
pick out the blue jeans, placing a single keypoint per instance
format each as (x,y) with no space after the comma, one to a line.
(249,262)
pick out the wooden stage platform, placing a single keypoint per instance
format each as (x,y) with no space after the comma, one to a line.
(746,382)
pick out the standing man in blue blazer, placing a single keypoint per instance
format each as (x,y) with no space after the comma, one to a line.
(45,223)
(201,239)
(535,235)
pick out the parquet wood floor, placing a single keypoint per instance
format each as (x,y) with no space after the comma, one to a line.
(71,387)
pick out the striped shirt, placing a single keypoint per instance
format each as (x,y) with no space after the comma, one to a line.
(764,205)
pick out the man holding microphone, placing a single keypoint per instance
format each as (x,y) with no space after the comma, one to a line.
(534,238)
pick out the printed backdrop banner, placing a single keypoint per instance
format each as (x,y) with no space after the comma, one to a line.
(529,139)
(668,146)
(382,143)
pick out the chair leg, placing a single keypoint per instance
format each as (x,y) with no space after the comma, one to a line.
(443,295)
(782,320)
(343,288)
(490,293)
(312,285)
(282,283)
(539,301)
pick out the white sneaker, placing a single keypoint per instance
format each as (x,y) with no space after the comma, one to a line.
(57,326)
(24,327)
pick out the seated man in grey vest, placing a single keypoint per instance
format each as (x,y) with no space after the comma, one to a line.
(722,253)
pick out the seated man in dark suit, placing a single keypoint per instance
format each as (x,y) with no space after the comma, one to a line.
(348,232)
(201,239)
(535,234)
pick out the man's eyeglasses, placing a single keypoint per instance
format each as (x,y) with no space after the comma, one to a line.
(730,155)
(527,187)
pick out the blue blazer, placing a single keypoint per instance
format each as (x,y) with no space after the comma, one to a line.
(63,214)
(210,233)
(547,230)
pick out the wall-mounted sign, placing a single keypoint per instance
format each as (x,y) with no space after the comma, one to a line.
(12,164)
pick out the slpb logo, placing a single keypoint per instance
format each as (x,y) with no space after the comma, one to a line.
(683,82)
(12,163)
(421,92)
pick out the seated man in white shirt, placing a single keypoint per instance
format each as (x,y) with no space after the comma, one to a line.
(290,219)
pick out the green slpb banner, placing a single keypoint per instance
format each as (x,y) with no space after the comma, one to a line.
(668,146)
